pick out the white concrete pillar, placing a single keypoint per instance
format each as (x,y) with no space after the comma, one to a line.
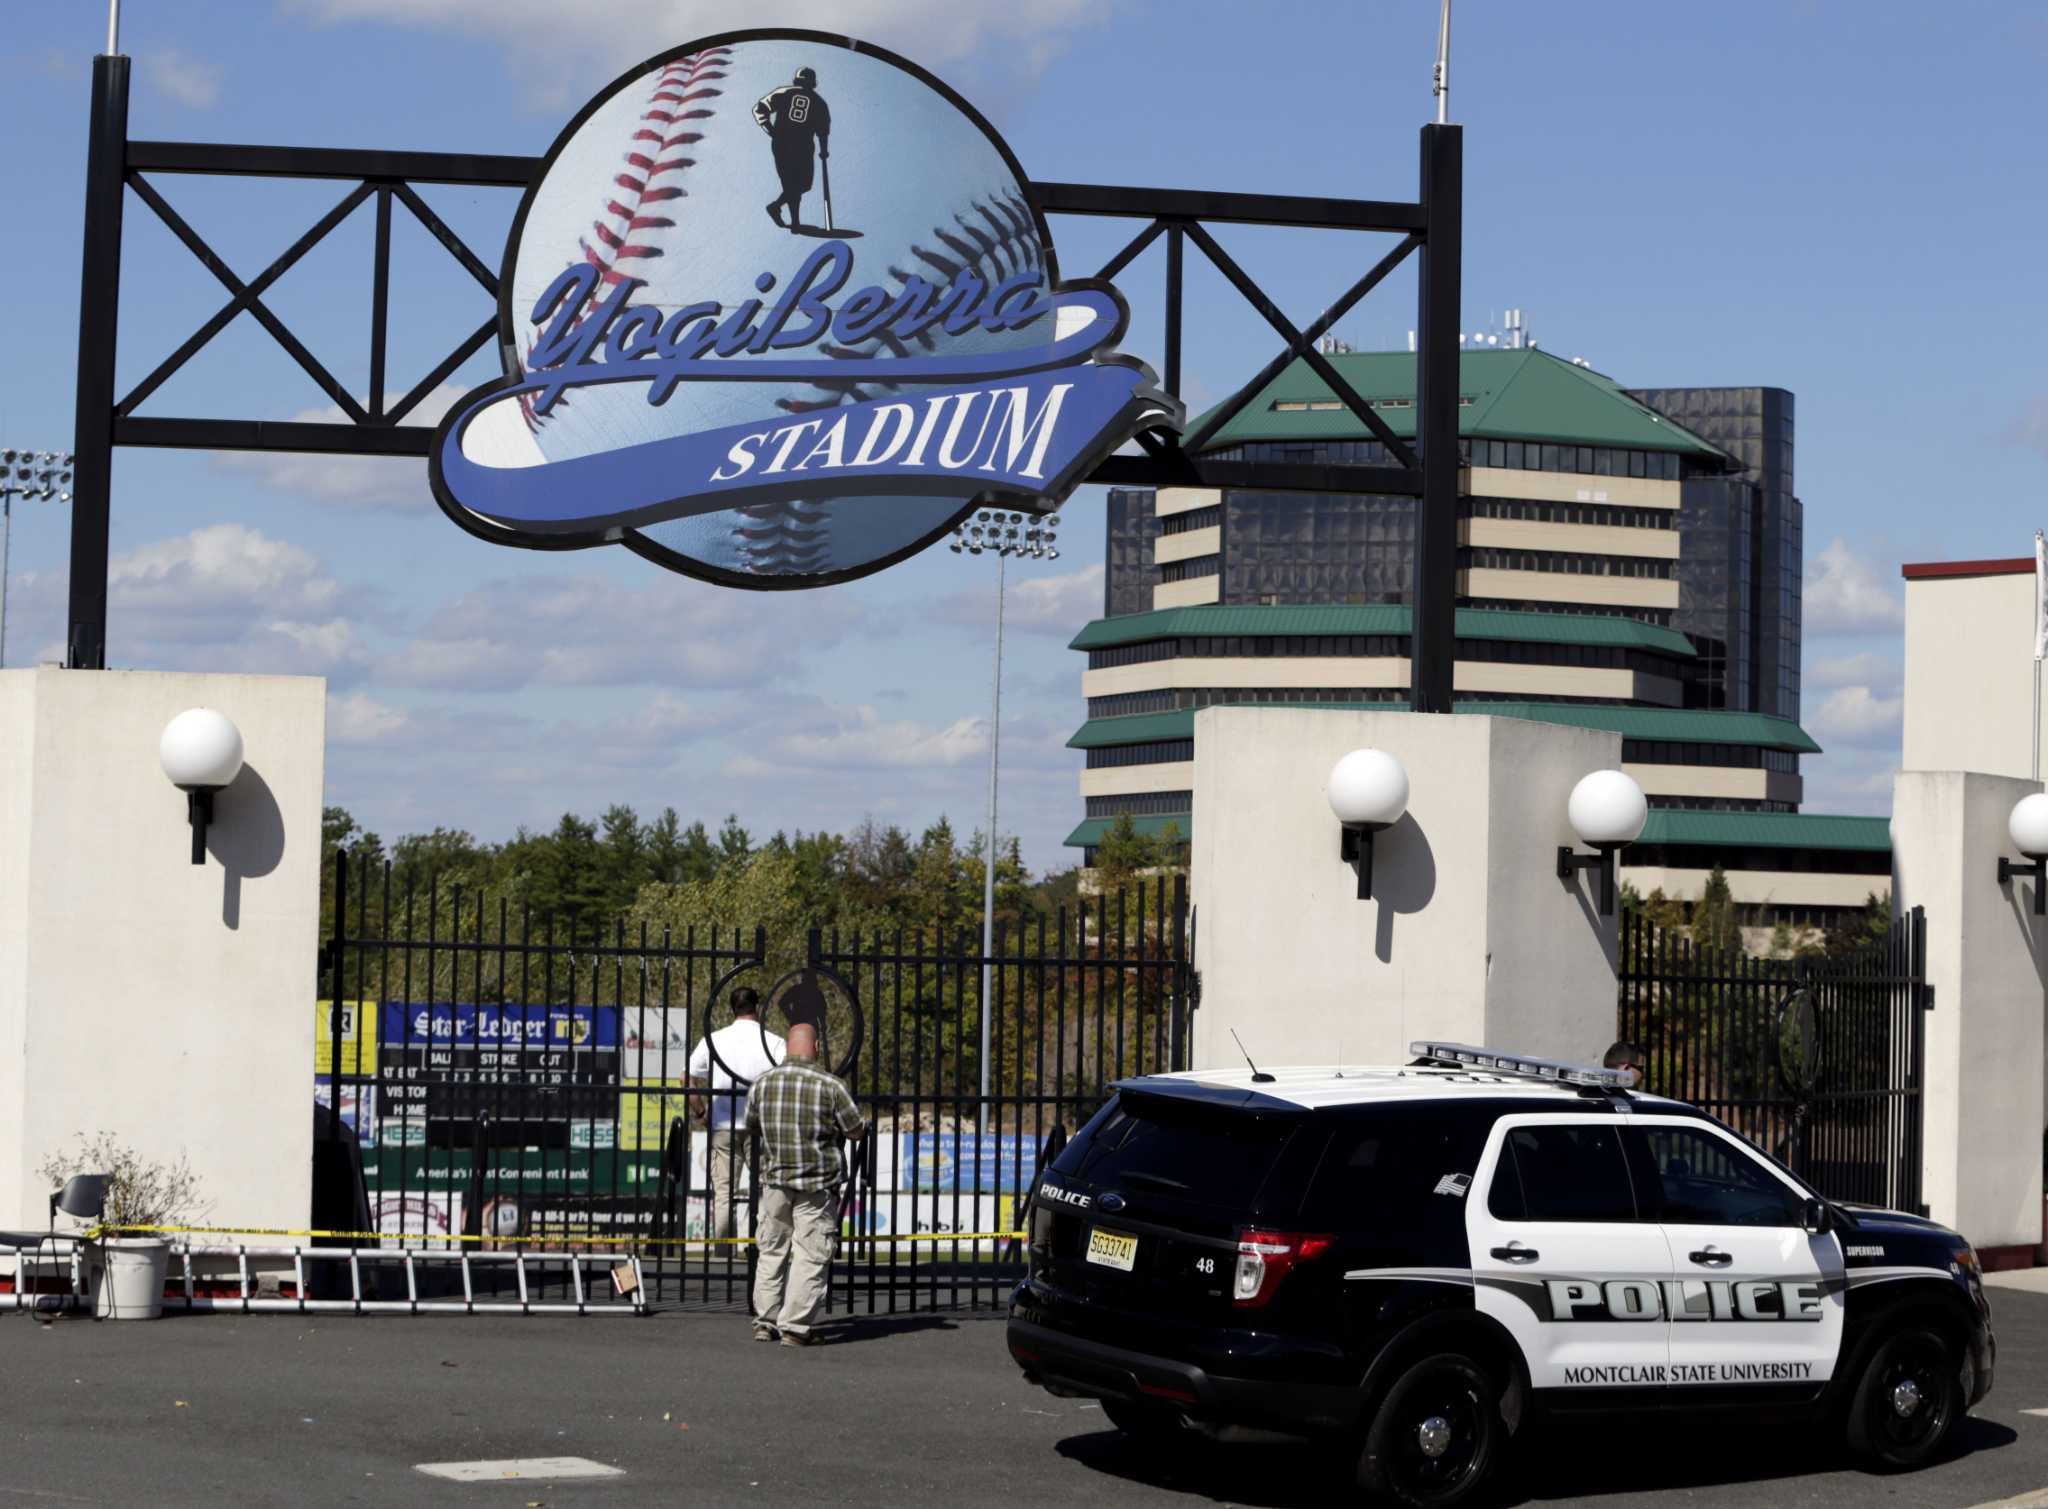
(1981,1168)
(140,995)
(1470,935)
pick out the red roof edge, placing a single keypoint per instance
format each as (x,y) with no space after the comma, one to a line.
(2012,567)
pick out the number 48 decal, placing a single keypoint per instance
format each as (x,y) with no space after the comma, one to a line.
(1205,1265)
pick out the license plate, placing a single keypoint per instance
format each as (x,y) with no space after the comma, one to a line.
(1112,1249)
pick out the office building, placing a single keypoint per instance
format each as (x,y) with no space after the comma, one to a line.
(1618,567)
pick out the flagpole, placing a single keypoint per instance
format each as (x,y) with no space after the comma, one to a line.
(2040,635)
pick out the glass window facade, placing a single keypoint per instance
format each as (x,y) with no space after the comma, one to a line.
(1131,527)
(1157,752)
(1186,571)
(1194,518)
(1493,558)
(1743,555)
(1142,803)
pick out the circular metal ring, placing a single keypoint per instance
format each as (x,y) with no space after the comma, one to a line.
(1798,1041)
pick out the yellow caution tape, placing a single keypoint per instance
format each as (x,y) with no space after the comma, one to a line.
(558,1241)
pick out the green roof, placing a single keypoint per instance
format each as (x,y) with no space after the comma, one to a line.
(1767,830)
(1140,728)
(1678,725)
(1089,834)
(1747,830)
(1299,619)
(1514,395)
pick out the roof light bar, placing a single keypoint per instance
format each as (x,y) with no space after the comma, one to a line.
(1525,1064)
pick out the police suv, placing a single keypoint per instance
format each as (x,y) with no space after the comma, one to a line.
(1418,1260)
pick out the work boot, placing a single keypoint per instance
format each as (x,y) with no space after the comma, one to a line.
(765,1333)
(796,1338)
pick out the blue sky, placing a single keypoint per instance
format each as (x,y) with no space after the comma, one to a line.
(1838,198)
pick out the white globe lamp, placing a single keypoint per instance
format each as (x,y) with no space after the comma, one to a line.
(201,751)
(1607,810)
(2028,828)
(1368,790)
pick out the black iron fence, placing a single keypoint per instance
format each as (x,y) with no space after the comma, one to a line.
(505,1079)
(1818,1059)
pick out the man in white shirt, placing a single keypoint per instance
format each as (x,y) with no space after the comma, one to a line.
(745,1052)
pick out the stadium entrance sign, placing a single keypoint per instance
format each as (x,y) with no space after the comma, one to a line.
(724,359)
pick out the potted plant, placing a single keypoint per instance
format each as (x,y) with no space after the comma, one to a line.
(127,1264)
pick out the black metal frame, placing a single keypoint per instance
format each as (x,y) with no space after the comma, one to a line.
(1711,1027)
(1080,999)
(1432,226)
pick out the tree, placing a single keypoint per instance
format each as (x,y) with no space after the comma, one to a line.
(623,858)
(1715,924)
(445,855)
(339,830)
(665,848)
(1869,928)
(735,844)
(1123,854)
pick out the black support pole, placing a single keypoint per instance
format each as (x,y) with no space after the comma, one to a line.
(92,470)
(1433,649)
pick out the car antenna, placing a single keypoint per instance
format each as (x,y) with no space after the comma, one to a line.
(1258,1078)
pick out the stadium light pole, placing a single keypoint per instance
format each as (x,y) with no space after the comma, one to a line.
(995,532)
(26,474)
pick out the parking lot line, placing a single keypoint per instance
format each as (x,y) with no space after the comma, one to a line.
(2035,1500)
(552,1468)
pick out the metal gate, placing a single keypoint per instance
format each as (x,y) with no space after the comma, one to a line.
(505,1081)
(1820,1060)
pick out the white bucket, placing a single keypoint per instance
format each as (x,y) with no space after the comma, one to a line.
(128,1278)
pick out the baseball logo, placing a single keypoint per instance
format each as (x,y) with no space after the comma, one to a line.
(778,310)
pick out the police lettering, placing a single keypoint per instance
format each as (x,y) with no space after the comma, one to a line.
(1063,1196)
(1684,1299)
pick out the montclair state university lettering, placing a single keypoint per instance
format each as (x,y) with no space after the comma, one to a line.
(1624,1373)
(1684,1299)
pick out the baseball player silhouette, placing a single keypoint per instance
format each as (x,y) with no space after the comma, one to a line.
(794,116)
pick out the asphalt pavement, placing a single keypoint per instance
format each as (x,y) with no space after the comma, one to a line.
(918,1410)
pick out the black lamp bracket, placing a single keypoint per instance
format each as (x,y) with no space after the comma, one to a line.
(199,809)
(1355,849)
(2036,867)
(1569,863)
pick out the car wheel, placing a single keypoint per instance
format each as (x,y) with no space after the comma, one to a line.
(1143,1422)
(1906,1402)
(1435,1436)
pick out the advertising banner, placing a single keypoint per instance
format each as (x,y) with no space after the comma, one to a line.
(987,1164)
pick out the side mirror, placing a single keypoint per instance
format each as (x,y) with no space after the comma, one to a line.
(1815,1218)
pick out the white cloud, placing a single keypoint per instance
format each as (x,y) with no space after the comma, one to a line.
(385,483)
(224,597)
(589,630)
(1851,782)
(1845,594)
(561,52)
(859,737)
(190,81)
(1856,715)
(360,719)
(1055,605)
(1881,673)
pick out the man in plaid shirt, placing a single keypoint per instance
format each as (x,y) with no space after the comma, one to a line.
(797,1114)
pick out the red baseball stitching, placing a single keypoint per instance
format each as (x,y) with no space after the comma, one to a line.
(650,155)
(677,85)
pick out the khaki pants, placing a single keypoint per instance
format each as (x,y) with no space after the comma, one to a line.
(794,1234)
(728,1157)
